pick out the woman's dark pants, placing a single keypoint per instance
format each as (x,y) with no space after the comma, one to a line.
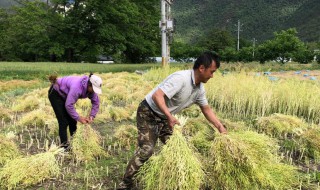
(64,119)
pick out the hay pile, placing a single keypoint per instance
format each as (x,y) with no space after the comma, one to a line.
(28,103)
(119,113)
(297,139)
(310,141)
(5,114)
(281,126)
(85,144)
(30,170)
(126,135)
(248,160)
(8,150)
(34,118)
(175,167)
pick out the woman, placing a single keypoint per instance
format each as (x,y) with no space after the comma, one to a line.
(64,93)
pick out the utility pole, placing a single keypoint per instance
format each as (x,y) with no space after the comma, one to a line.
(253,46)
(166,26)
(238,45)
(163,33)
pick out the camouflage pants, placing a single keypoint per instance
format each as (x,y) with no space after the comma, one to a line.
(150,128)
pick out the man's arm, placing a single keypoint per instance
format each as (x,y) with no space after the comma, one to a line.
(158,98)
(212,118)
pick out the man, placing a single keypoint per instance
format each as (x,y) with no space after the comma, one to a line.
(155,114)
(64,93)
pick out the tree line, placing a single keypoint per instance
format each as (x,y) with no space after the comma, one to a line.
(80,30)
(284,46)
(127,30)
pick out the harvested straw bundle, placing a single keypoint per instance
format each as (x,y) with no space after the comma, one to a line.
(5,114)
(34,118)
(279,125)
(8,150)
(26,104)
(194,125)
(297,139)
(85,144)
(311,144)
(119,113)
(175,167)
(30,170)
(126,135)
(248,160)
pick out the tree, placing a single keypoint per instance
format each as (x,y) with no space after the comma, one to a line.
(26,37)
(264,52)
(303,55)
(283,47)
(182,52)
(229,54)
(217,40)
(3,26)
(246,54)
(125,29)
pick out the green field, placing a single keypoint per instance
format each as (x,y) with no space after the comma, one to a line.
(39,70)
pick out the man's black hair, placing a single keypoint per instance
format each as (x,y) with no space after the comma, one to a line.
(206,59)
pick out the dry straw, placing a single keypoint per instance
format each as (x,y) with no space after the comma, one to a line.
(281,126)
(296,137)
(126,135)
(311,144)
(85,144)
(34,118)
(23,172)
(248,160)
(175,167)
(26,104)
(8,150)
(5,114)
(119,113)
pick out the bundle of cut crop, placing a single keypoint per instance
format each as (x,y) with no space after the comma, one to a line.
(126,135)
(85,144)
(175,167)
(8,150)
(30,170)
(248,160)
(281,126)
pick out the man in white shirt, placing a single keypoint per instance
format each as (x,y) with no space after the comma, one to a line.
(155,114)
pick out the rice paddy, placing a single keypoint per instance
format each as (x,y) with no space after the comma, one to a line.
(273,139)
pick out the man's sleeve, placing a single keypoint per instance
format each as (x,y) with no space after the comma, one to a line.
(172,85)
(72,98)
(95,105)
(201,99)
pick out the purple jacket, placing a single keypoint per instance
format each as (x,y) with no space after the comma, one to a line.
(71,88)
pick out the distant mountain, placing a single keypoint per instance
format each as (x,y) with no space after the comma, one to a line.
(260,18)
(6,3)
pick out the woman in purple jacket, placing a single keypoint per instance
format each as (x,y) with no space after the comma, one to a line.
(64,93)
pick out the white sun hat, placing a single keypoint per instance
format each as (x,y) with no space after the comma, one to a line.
(96,84)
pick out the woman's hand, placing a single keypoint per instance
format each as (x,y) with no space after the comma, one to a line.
(83,120)
(90,119)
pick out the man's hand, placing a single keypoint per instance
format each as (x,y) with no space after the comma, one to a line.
(83,120)
(172,121)
(222,130)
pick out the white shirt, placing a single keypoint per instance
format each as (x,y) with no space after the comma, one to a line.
(181,92)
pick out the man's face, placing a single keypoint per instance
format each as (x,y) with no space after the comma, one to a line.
(207,73)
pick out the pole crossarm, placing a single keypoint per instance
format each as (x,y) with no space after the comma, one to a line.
(169,1)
